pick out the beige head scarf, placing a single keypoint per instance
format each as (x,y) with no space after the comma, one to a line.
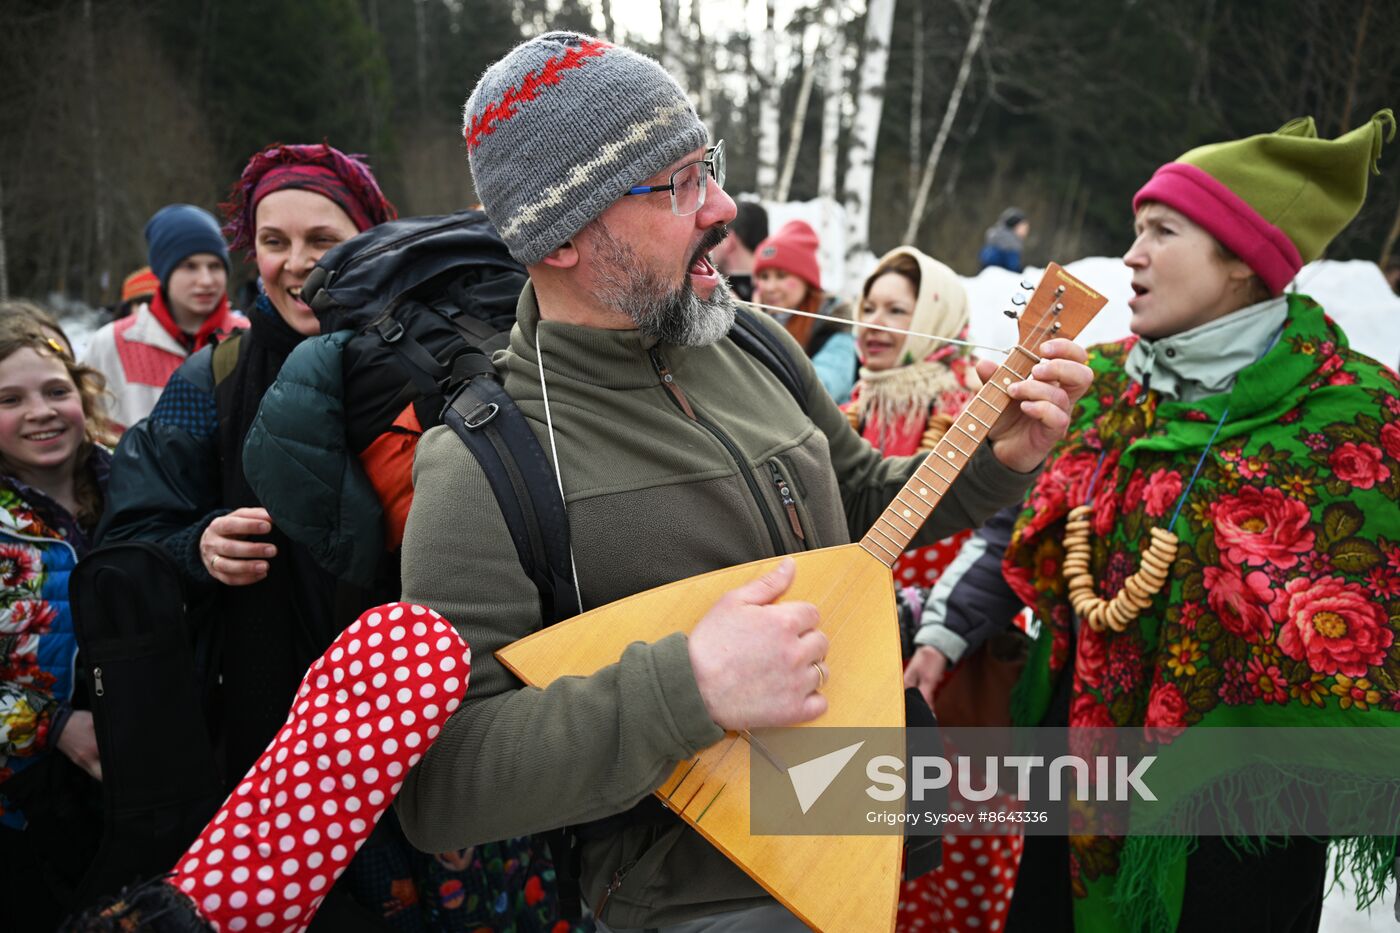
(940,308)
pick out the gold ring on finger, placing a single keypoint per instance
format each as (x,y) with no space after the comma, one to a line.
(821,674)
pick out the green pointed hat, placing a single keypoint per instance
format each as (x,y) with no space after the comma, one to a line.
(1277,199)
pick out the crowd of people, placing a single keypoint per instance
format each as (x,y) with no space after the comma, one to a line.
(1235,419)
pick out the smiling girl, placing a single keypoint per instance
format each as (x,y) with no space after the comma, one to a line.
(52,482)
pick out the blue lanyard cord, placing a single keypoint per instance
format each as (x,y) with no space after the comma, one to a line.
(1199,463)
(1094,480)
(1214,434)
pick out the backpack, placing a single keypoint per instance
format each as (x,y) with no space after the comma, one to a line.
(160,779)
(429,300)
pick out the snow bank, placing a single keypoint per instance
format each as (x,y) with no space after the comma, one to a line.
(1354,293)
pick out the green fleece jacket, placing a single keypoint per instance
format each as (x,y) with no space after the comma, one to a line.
(653,496)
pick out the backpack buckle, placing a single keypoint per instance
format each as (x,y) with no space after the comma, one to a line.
(481,416)
(390,330)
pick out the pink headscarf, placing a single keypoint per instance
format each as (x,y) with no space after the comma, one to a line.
(344,179)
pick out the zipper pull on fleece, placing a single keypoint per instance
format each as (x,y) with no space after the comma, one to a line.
(669,381)
(613,885)
(789,503)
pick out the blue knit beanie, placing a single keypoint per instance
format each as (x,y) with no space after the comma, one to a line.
(180,230)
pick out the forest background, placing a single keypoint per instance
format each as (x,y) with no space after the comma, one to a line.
(923,118)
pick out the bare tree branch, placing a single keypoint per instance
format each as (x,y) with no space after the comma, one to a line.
(799,118)
(916,212)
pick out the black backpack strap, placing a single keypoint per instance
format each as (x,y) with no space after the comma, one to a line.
(755,339)
(427,374)
(522,479)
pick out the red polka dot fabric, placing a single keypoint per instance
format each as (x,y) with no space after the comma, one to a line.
(365,713)
(923,566)
(969,892)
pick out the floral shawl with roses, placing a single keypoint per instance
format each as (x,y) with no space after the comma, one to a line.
(1282,605)
(39,546)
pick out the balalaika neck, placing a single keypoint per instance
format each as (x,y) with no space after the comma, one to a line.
(889,537)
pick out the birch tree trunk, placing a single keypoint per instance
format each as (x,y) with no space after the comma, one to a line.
(4,261)
(1388,247)
(860,171)
(916,99)
(99,184)
(768,101)
(609,27)
(799,119)
(1349,102)
(974,41)
(420,22)
(671,58)
(835,83)
(700,89)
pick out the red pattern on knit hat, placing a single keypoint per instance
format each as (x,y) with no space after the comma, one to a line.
(1228,217)
(793,249)
(484,123)
(366,712)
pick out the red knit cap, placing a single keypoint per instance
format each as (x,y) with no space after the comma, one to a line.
(792,249)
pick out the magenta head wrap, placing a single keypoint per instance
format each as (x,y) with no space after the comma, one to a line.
(322,168)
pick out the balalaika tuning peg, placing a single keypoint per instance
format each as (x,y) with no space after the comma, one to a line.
(1059,291)
(1011,314)
(1027,286)
(1018,300)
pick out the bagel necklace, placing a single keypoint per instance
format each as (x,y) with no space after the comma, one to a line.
(1143,585)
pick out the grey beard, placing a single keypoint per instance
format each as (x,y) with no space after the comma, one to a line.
(671,315)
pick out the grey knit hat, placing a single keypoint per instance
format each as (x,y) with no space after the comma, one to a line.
(561,127)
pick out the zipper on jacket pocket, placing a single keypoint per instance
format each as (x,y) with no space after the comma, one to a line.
(669,382)
(789,501)
(97,682)
(613,885)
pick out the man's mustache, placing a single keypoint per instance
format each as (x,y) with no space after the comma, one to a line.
(711,238)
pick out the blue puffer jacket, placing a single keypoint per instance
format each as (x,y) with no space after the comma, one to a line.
(40,544)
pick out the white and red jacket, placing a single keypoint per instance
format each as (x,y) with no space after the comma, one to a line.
(139,353)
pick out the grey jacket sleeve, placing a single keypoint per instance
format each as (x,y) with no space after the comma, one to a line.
(971,602)
(515,760)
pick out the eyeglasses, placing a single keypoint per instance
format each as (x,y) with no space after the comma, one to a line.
(688,183)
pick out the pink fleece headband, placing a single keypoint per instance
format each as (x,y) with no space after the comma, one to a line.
(1226,216)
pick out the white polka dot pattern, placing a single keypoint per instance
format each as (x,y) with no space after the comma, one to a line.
(264,862)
